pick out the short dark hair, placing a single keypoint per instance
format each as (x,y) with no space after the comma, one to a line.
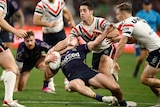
(147,2)
(125,6)
(29,34)
(88,4)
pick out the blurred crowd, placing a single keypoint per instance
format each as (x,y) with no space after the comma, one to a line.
(103,8)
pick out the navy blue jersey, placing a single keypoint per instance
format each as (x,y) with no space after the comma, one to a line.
(72,62)
(12,7)
(26,55)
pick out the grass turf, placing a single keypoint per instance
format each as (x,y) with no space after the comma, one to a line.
(132,88)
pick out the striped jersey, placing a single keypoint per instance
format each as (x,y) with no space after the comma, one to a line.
(141,31)
(51,12)
(3,7)
(86,32)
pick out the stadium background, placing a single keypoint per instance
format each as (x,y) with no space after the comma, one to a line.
(103,8)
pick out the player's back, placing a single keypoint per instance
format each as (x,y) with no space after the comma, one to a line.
(141,31)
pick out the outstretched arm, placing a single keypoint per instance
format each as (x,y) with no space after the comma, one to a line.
(119,51)
(100,36)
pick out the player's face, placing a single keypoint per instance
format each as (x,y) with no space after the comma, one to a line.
(30,42)
(119,15)
(147,7)
(72,41)
(85,13)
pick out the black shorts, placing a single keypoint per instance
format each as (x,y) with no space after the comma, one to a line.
(110,51)
(54,38)
(28,66)
(84,75)
(6,36)
(154,58)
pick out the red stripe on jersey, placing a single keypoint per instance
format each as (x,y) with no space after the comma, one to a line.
(128,25)
(54,11)
(87,34)
(119,27)
(4,1)
(76,30)
(101,23)
(39,6)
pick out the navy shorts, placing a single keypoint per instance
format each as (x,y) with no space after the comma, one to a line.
(84,75)
(110,51)
(54,38)
(154,58)
(6,36)
(28,66)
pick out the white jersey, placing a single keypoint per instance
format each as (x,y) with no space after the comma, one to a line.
(51,12)
(86,32)
(140,30)
(3,7)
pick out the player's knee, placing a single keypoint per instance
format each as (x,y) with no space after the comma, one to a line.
(73,85)
(41,66)
(144,79)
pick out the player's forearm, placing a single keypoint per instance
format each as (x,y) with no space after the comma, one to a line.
(97,41)
(7,26)
(60,46)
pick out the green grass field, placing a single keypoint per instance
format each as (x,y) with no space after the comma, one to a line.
(132,89)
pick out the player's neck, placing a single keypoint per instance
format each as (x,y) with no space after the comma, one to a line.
(90,21)
(52,1)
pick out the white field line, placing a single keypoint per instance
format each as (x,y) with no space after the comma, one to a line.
(70,102)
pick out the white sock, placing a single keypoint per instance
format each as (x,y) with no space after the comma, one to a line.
(9,83)
(51,84)
(66,82)
(2,75)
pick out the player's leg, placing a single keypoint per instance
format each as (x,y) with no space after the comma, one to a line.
(10,76)
(79,86)
(148,78)
(108,83)
(23,80)
(48,84)
(104,62)
(140,52)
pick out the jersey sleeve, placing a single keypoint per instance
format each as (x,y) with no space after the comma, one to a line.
(74,31)
(15,6)
(20,53)
(126,28)
(39,9)
(44,46)
(83,48)
(102,23)
(2,4)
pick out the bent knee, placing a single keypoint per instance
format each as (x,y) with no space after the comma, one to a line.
(144,79)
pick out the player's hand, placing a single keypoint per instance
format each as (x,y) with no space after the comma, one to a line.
(71,24)
(20,33)
(50,58)
(52,24)
(96,32)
